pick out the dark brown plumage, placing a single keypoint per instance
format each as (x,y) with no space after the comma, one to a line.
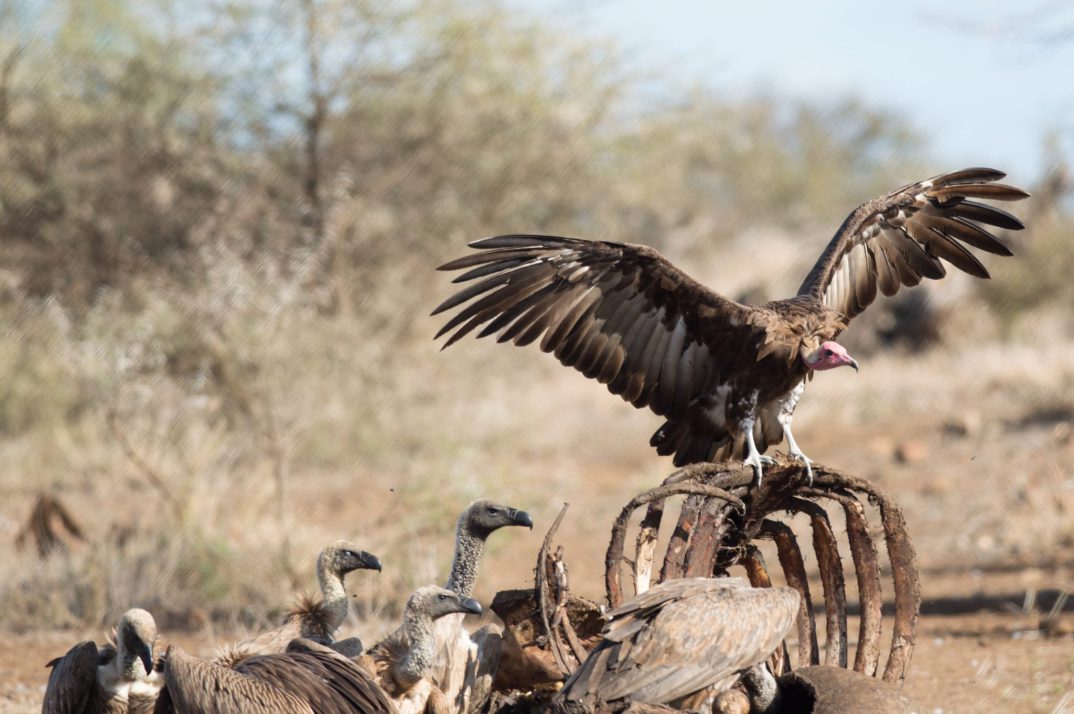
(681,637)
(726,376)
(307,678)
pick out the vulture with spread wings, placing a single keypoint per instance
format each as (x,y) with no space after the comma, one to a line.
(725,376)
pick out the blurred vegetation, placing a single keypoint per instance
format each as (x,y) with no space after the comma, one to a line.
(218,224)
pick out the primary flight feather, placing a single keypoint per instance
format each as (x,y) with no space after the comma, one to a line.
(726,376)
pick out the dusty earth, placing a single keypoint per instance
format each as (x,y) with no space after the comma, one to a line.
(982,662)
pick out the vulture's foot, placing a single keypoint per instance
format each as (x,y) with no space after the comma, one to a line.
(806,461)
(758,461)
(795,452)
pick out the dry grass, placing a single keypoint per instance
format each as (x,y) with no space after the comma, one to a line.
(218,396)
(383,440)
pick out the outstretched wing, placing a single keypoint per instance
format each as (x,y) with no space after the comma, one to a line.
(898,239)
(618,313)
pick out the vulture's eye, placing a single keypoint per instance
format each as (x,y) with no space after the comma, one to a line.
(827,353)
(493,511)
(441,596)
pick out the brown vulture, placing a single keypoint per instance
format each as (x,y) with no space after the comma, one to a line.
(726,376)
(681,637)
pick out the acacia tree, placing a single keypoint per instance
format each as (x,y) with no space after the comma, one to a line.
(108,147)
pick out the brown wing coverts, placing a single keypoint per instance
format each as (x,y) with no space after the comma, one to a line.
(307,678)
(898,239)
(621,314)
(682,636)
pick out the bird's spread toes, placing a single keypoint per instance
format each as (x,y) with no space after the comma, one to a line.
(807,462)
(756,461)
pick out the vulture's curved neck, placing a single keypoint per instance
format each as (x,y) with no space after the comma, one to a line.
(421,649)
(333,593)
(469,547)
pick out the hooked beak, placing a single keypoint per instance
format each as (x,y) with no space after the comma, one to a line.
(521,518)
(470,605)
(145,653)
(370,561)
(853,363)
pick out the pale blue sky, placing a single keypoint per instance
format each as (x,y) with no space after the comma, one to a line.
(983,79)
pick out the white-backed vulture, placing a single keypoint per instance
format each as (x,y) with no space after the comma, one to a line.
(679,638)
(404,661)
(480,520)
(315,619)
(725,376)
(307,678)
(112,679)
(467,663)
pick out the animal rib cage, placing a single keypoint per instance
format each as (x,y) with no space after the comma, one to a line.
(721,518)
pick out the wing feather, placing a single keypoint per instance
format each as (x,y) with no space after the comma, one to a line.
(682,636)
(989,215)
(900,238)
(618,313)
(73,679)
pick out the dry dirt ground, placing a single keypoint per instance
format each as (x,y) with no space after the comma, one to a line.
(979,663)
(988,492)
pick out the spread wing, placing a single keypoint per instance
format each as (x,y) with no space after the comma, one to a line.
(683,636)
(73,679)
(621,314)
(898,239)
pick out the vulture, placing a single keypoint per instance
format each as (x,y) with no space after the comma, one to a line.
(466,664)
(403,662)
(679,638)
(116,678)
(306,678)
(479,521)
(316,619)
(725,376)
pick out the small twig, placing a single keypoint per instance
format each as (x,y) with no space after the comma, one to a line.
(150,473)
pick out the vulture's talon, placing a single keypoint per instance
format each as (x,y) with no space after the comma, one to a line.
(758,462)
(807,463)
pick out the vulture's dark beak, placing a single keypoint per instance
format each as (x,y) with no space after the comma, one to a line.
(854,364)
(145,653)
(470,605)
(521,518)
(369,561)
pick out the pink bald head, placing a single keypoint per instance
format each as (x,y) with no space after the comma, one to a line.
(829,356)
